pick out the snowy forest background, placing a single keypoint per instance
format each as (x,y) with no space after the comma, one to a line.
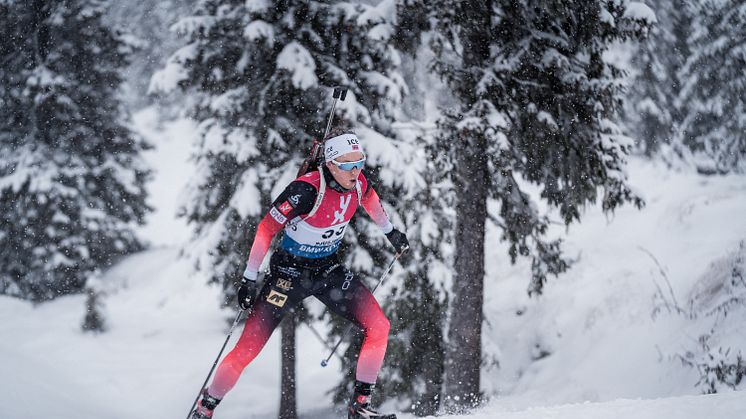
(570,175)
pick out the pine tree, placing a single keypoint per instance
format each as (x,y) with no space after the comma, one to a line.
(713,92)
(687,101)
(262,73)
(71,179)
(653,111)
(417,306)
(536,104)
(93,321)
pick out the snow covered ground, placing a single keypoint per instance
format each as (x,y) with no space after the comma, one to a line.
(729,405)
(592,336)
(590,347)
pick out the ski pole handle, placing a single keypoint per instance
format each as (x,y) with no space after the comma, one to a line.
(325,362)
(339,93)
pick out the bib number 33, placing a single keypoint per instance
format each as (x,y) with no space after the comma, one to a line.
(329,233)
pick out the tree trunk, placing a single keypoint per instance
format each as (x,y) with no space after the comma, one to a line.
(472,180)
(464,348)
(287,399)
(433,375)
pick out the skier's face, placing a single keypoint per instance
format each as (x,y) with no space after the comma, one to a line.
(346,178)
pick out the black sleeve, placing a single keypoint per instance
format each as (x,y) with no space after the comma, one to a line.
(297,199)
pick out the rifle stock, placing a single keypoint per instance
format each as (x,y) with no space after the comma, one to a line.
(311,160)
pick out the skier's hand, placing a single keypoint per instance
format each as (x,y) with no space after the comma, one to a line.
(246,292)
(398,240)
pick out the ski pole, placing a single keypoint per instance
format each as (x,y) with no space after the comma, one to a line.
(325,362)
(318,336)
(339,93)
(230,332)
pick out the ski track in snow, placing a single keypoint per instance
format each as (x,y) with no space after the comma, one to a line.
(166,327)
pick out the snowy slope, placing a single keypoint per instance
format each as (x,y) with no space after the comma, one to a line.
(590,338)
(165,329)
(169,159)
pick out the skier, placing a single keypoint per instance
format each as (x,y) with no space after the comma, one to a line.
(314,211)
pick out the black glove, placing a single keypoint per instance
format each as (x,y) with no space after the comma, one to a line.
(246,293)
(398,240)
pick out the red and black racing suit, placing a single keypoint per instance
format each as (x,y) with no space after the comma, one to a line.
(306,264)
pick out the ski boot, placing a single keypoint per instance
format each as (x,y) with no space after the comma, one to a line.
(205,406)
(359,407)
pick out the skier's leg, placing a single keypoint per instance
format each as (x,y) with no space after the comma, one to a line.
(348,297)
(260,323)
(277,297)
(259,326)
(270,307)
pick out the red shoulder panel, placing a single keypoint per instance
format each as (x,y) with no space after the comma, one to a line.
(313,178)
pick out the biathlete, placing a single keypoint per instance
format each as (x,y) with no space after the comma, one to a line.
(314,212)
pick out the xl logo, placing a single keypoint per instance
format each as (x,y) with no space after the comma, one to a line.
(339,215)
(284,284)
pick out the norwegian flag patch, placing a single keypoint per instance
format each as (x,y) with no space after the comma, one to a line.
(285,208)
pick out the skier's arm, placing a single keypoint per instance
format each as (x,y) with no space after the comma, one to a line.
(264,233)
(297,199)
(373,207)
